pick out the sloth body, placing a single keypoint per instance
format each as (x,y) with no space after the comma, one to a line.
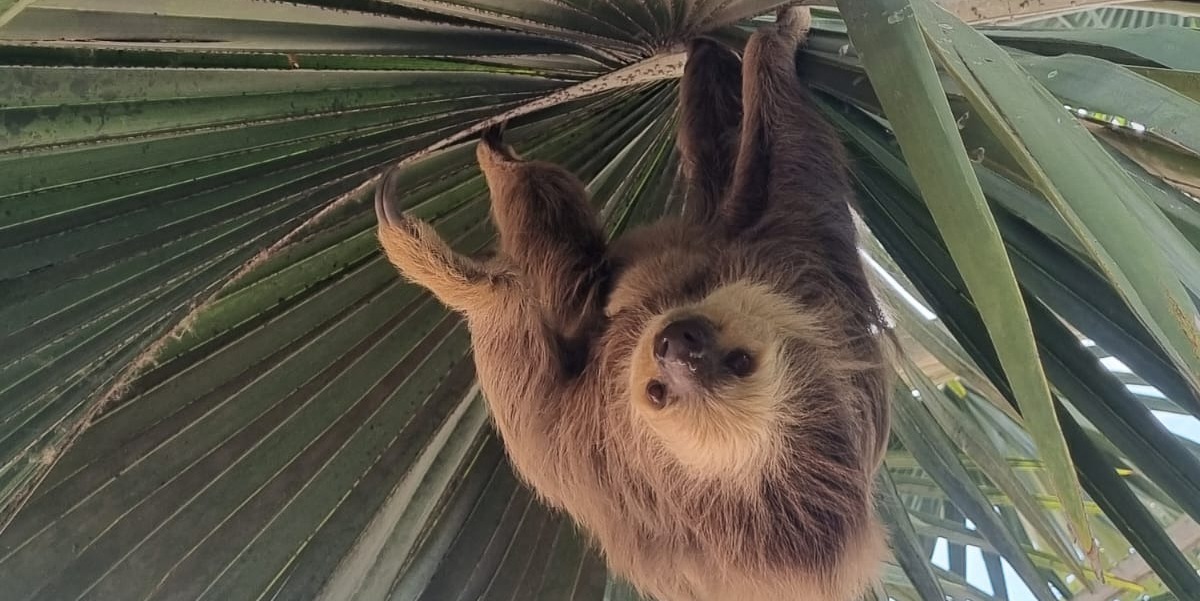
(704,395)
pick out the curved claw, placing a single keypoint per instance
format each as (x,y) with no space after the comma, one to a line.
(492,150)
(494,136)
(794,19)
(385,211)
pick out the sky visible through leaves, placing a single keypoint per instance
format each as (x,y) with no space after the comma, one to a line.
(1182,425)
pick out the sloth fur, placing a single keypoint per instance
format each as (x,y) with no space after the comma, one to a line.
(704,395)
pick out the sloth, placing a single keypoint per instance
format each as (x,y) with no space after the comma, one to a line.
(704,395)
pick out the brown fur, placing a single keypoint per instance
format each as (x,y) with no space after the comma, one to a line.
(760,487)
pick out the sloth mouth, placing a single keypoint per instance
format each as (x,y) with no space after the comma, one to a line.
(656,391)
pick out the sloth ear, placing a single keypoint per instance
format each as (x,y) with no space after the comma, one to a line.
(710,116)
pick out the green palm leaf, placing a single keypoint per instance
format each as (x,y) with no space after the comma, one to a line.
(212,386)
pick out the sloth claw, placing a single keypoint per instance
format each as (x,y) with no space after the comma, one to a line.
(494,136)
(492,149)
(385,209)
(794,21)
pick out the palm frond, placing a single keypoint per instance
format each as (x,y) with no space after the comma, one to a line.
(212,386)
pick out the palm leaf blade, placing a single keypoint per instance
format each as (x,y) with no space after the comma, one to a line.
(212,386)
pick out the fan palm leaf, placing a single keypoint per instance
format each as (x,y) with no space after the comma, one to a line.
(213,386)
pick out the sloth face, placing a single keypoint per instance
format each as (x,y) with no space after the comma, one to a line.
(714,381)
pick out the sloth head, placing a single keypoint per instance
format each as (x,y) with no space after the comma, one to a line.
(724,382)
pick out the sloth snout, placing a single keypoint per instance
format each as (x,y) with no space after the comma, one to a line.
(685,349)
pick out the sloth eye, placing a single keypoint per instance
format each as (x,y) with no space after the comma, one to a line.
(739,363)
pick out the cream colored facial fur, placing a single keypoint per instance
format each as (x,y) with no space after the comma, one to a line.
(734,427)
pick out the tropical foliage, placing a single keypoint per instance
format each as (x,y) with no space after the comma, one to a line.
(212,386)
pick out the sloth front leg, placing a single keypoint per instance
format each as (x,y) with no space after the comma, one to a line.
(549,231)
(423,257)
(789,157)
(710,119)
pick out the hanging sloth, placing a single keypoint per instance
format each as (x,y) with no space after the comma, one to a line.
(704,395)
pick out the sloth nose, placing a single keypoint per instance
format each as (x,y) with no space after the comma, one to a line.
(685,347)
